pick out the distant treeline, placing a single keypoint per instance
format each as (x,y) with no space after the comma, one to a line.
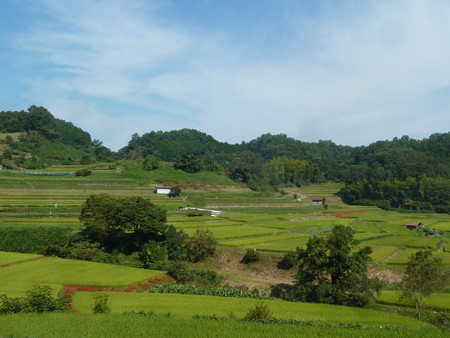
(394,173)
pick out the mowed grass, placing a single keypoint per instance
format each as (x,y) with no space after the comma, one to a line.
(364,226)
(407,241)
(63,325)
(188,305)
(236,231)
(381,252)
(403,257)
(13,257)
(283,246)
(15,289)
(261,240)
(444,226)
(74,272)
(440,301)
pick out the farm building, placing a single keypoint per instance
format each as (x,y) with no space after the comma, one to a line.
(163,190)
(318,201)
(413,225)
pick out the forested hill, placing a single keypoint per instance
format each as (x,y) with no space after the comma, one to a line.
(399,173)
(35,139)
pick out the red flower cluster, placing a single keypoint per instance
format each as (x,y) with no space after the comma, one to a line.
(4,265)
(139,287)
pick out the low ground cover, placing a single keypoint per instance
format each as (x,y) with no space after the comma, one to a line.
(403,256)
(237,231)
(261,240)
(62,325)
(7,258)
(74,272)
(439,301)
(19,289)
(415,241)
(186,306)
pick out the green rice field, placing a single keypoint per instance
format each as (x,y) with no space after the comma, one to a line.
(186,306)
(55,270)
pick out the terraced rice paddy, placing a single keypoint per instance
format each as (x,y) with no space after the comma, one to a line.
(272,223)
(60,271)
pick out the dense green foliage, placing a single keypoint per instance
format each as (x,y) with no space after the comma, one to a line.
(424,276)
(200,245)
(44,140)
(33,239)
(414,194)
(123,224)
(401,173)
(38,299)
(250,256)
(332,271)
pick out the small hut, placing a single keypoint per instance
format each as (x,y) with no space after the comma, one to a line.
(318,201)
(163,190)
(413,225)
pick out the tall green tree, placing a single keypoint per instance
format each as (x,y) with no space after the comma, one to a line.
(424,276)
(334,270)
(123,224)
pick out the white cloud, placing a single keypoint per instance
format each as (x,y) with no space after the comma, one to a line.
(353,80)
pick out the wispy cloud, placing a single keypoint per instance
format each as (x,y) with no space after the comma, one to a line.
(352,75)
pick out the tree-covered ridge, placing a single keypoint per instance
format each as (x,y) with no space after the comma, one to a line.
(40,140)
(41,120)
(391,173)
(173,145)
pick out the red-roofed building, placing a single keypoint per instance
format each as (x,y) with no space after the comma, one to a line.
(413,225)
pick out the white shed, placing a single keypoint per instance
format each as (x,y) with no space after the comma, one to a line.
(163,190)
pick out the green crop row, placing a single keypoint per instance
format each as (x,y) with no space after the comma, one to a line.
(403,257)
(14,257)
(438,301)
(187,305)
(415,241)
(237,231)
(261,240)
(63,325)
(74,272)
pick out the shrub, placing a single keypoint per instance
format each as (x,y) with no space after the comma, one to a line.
(250,256)
(83,172)
(260,312)
(182,273)
(289,260)
(39,299)
(101,304)
(204,290)
(33,239)
(154,255)
(201,245)
(10,304)
(85,251)
(121,259)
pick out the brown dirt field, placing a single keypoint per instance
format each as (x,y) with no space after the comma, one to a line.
(262,275)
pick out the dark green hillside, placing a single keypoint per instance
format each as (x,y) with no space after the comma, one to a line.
(173,145)
(35,139)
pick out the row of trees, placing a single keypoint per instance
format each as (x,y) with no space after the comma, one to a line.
(426,193)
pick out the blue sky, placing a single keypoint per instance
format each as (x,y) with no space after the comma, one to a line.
(349,71)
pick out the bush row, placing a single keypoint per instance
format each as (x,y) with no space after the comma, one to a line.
(33,239)
(197,289)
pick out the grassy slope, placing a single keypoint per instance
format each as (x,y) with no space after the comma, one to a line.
(75,325)
(188,305)
(73,272)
